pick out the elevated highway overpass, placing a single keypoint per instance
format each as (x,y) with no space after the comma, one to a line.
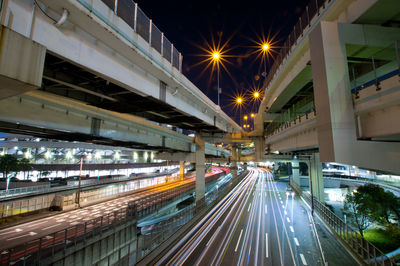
(100,72)
(334,87)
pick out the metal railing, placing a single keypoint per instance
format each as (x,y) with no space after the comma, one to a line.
(165,229)
(22,190)
(74,183)
(32,252)
(361,247)
(129,11)
(286,119)
(313,10)
(382,65)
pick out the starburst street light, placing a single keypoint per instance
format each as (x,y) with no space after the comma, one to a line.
(252,115)
(245,117)
(239,100)
(265,50)
(256,95)
(216,56)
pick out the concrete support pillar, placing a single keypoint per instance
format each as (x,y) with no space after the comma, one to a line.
(259,148)
(234,162)
(336,124)
(316,177)
(181,170)
(276,174)
(296,172)
(200,167)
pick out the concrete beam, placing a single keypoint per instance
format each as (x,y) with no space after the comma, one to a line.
(21,63)
(178,156)
(46,110)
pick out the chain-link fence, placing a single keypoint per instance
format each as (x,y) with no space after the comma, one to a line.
(156,38)
(167,49)
(362,248)
(125,10)
(129,11)
(142,24)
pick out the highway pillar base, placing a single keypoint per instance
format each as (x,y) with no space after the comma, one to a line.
(234,162)
(200,169)
(316,177)
(296,172)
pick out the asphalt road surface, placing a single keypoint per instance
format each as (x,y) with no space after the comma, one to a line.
(259,223)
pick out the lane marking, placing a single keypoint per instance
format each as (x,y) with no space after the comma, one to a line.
(291,229)
(283,206)
(266,245)
(13,231)
(288,220)
(266,208)
(303,260)
(54,225)
(285,212)
(281,202)
(249,207)
(34,224)
(237,245)
(296,241)
(16,237)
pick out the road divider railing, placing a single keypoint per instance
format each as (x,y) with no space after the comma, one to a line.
(34,251)
(153,248)
(155,234)
(365,251)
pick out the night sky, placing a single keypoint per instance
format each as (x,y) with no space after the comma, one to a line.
(190,25)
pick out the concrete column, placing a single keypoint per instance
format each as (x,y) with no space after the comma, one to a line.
(200,168)
(181,170)
(234,161)
(296,172)
(276,174)
(316,177)
(259,148)
(336,125)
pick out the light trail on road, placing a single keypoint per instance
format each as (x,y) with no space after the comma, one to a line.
(256,224)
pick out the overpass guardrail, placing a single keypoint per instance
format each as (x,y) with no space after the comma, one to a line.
(306,20)
(380,66)
(129,11)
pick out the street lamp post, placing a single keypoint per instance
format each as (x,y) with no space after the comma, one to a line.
(79,183)
(239,101)
(265,48)
(216,58)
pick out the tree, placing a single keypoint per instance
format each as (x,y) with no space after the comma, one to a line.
(25,166)
(355,209)
(8,164)
(382,205)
